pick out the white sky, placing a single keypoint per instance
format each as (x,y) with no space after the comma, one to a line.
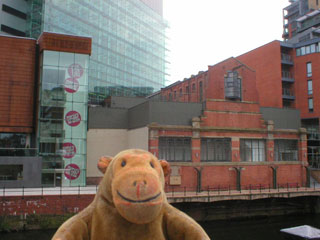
(205,32)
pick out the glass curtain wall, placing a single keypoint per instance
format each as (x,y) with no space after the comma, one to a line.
(128,42)
(62,124)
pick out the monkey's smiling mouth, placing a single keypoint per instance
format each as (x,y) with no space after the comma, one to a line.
(138,201)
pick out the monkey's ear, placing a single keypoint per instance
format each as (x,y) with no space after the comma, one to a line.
(165,167)
(103,163)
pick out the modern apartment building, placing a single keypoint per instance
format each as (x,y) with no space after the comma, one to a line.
(128,49)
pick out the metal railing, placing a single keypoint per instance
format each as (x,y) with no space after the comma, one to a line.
(286,74)
(287,92)
(286,57)
(171,191)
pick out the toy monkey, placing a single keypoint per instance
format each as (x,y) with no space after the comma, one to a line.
(131,204)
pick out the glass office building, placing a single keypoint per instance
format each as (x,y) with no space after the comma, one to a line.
(62,124)
(128,41)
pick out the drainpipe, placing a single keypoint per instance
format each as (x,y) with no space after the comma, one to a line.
(198,178)
(308,176)
(238,183)
(274,176)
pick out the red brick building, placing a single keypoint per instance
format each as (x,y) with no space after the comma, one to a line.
(230,142)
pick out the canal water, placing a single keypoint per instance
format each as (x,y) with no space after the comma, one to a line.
(252,229)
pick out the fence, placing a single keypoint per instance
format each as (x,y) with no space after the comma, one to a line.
(171,191)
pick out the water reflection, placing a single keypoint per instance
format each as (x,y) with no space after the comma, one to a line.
(262,229)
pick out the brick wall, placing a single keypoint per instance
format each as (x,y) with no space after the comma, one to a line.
(266,61)
(17,81)
(301,84)
(47,205)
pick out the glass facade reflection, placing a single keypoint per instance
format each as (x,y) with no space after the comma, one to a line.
(62,124)
(128,48)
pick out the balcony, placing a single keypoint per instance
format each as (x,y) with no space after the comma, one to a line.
(288,94)
(286,59)
(309,23)
(287,77)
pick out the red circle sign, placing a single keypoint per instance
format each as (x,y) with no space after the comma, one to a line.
(72,171)
(69,150)
(71,85)
(75,70)
(73,118)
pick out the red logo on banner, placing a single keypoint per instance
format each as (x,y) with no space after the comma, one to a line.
(69,150)
(73,118)
(72,171)
(71,85)
(75,70)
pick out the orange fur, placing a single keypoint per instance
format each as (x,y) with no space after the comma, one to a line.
(131,204)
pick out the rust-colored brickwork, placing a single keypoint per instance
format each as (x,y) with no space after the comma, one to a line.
(64,43)
(17,84)
(266,61)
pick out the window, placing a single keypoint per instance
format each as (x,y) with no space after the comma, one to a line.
(216,149)
(187,89)
(193,87)
(313,48)
(180,92)
(13,144)
(200,91)
(298,52)
(310,104)
(309,69)
(285,150)
(252,150)
(12,31)
(14,12)
(175,149)
(11,172)
(307,49)
(303,50)
(310,91)
(175,95)
(232,86)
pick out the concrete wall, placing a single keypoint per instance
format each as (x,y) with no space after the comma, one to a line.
(125,102)
(31,171)
(282,118)
(109,142)
(103,118)
(138,138)
(102,142)
(173,113)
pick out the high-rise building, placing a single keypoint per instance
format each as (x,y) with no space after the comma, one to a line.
(301,20)
(128,41)
(127,58)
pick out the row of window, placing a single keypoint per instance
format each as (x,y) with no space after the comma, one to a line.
(219,150)
(310,87)
(308,49)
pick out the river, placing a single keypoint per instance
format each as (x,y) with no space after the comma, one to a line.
(252,229)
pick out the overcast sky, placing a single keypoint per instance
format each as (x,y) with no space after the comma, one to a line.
(205,32)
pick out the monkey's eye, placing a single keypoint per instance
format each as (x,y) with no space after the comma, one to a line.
(123,163)
(151,164)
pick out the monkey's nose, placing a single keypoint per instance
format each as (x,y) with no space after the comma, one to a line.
(140,182)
